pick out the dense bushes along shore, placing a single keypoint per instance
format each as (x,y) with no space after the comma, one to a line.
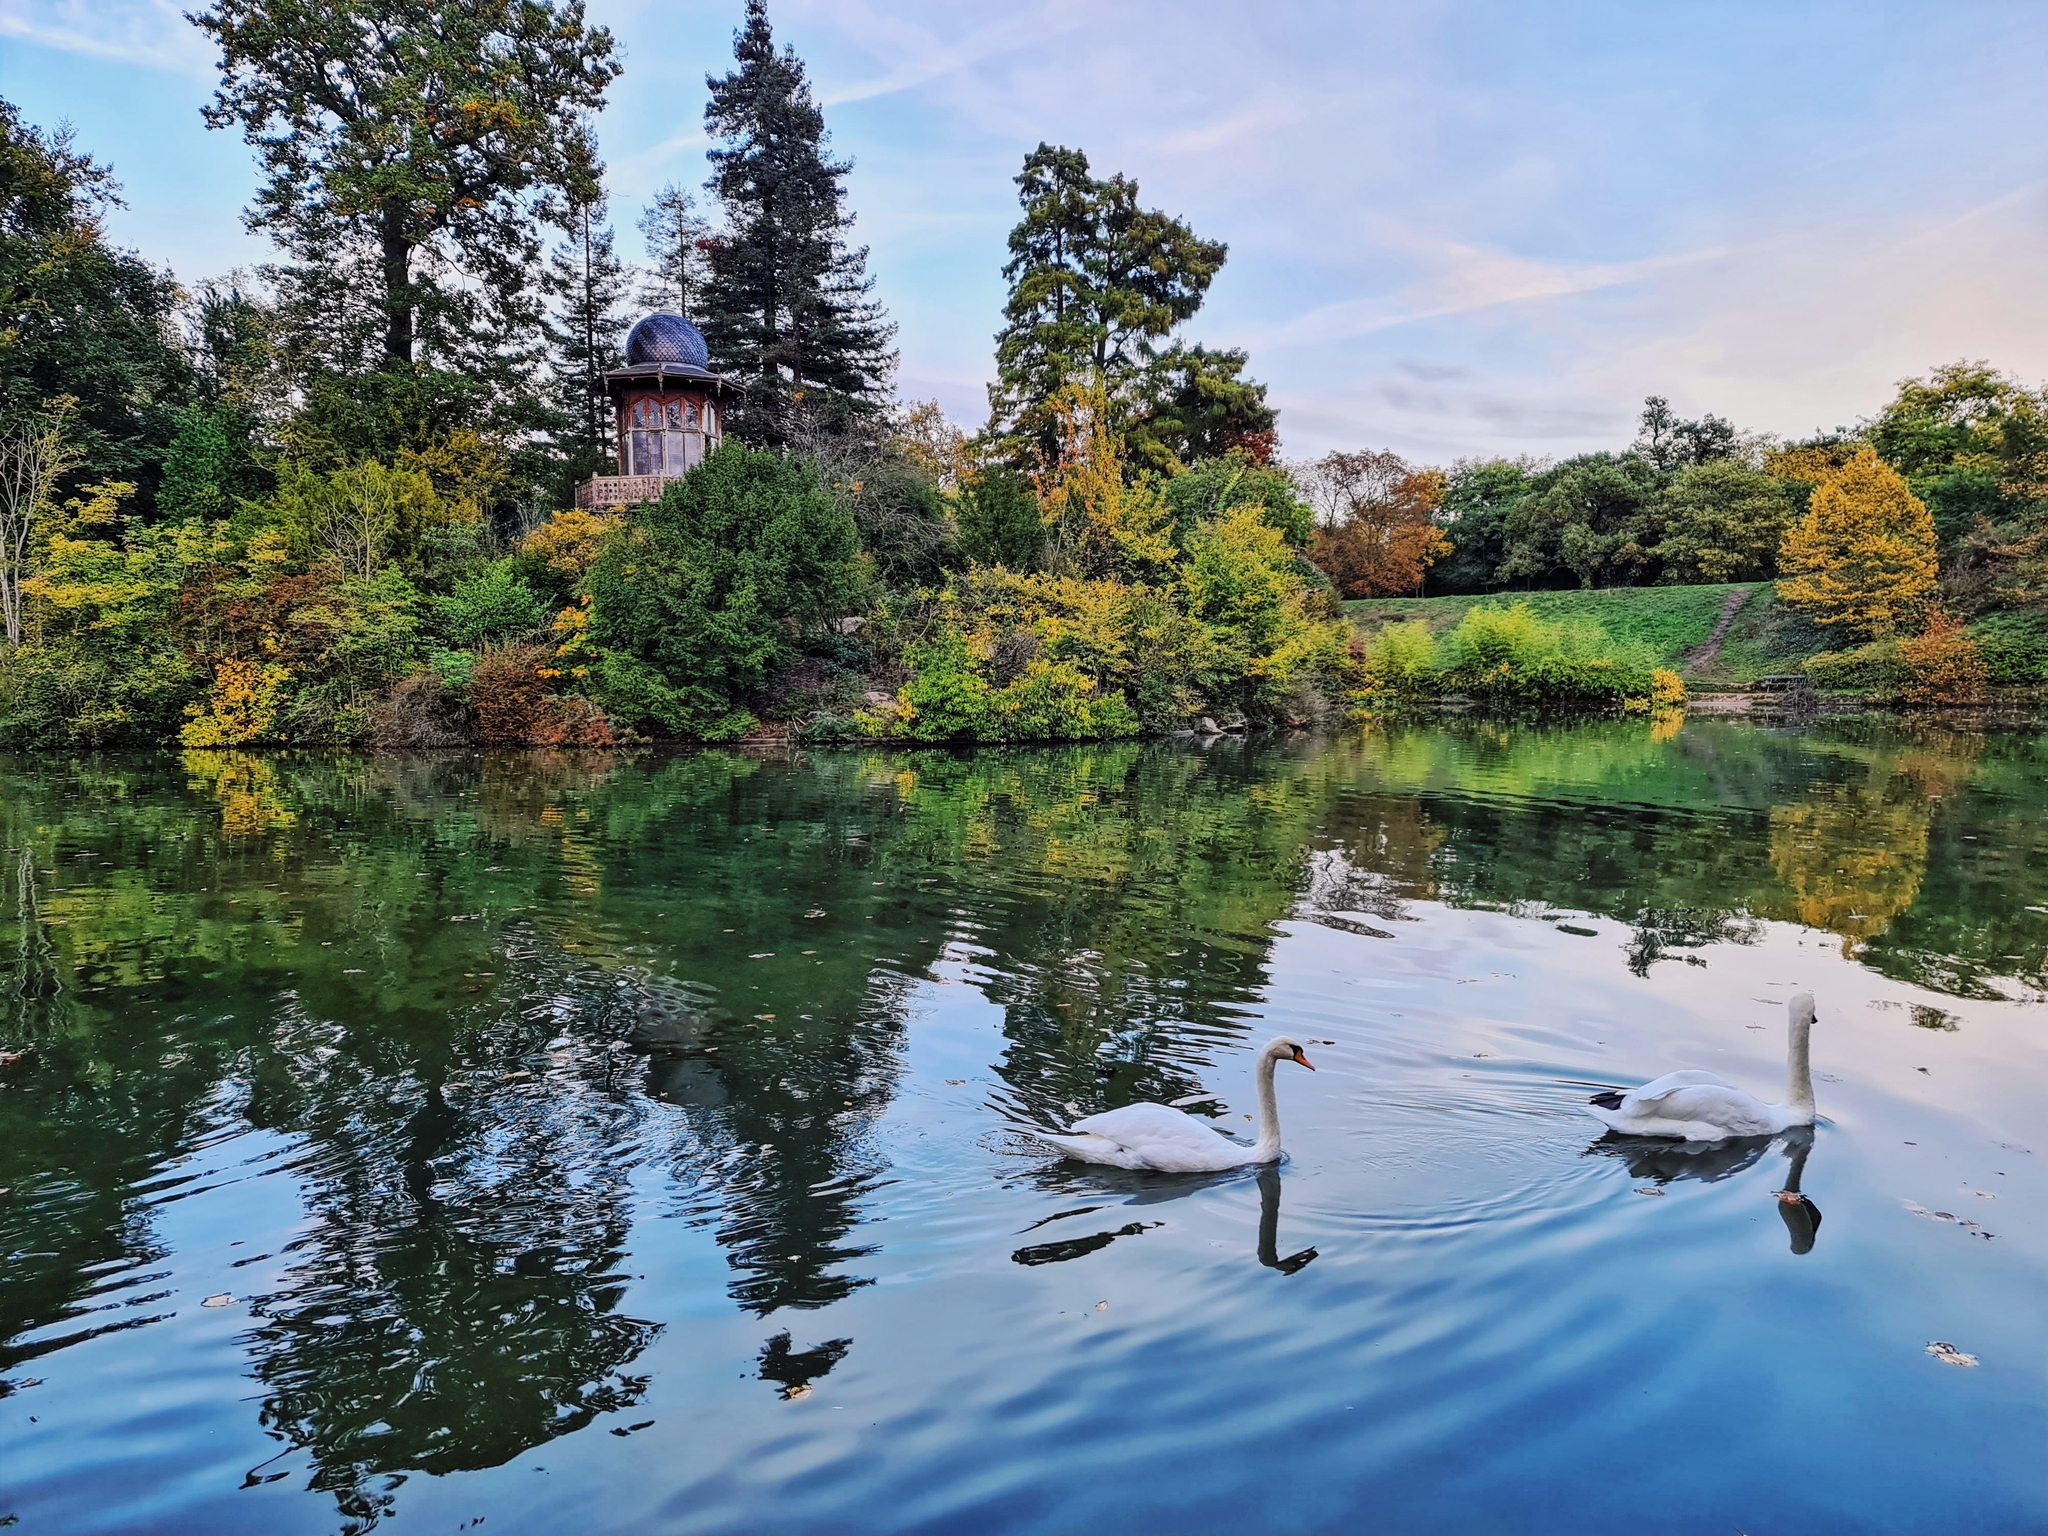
(744,604)
(322,505)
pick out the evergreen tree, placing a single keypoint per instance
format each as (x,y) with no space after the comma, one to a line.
(587,283)
(678,245)
(1095,283)
(787,312)
(1192,404)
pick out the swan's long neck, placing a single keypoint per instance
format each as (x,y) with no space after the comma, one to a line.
(1798,1073)
(1268,1148)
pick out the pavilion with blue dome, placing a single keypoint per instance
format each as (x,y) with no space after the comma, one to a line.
(669,412)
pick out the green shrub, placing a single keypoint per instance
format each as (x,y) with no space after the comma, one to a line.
(2014,647)
(496,604)
(1398,667)
(997,512)
(951,698)
(65,693)
(1507,657)
(824,730)
(1874,668)
(701,598)
(1057,701)
(452,669)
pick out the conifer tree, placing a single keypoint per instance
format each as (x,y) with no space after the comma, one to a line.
(1863,556)
(678,252)
(1096,284)
(788,312)
(587,284)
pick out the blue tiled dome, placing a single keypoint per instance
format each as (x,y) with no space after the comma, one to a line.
(666,338)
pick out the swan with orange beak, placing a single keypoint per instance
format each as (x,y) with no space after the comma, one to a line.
(1168,1140)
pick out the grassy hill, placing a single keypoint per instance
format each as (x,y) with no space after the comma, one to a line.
(1762,638)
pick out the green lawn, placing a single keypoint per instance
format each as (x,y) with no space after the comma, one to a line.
(1765,637)
(1670,619)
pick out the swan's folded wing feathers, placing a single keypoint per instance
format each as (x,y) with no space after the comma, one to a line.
(1149,1125)
(1729,1109)
(1649,1098)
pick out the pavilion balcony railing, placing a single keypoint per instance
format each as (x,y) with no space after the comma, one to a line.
(621,490)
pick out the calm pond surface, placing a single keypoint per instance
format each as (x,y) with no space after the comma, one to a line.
(631,1144)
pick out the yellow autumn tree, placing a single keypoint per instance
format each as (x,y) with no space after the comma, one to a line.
(1863,556)
(1097,523)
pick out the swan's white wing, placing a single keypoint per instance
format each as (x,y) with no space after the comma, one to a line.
(1092,1149)
(1697,1111)
(1153,1128)
(1656,1088)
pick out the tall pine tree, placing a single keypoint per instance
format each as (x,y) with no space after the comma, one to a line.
(678,246)
(587,284)
(788,312)
(1096,284)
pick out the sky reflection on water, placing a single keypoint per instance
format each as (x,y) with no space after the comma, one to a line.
(632,1143)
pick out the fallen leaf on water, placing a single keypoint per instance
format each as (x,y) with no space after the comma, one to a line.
(797,1394)
(517,1077)
(1970,1227)
(1650,1192)
(955,1082)
(1102,1306)
(221,1300)
(764,1016)
(1948,1354)
(766,954)
(815,912)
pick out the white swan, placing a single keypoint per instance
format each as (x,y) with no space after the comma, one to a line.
(1698,1106)
(1162,1138)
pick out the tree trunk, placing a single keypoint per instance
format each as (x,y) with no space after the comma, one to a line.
(398,315)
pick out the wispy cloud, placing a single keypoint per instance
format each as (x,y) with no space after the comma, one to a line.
(1466,278)
(147,32)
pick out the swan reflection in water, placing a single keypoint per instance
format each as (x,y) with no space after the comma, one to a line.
(1664,1161)
(1152,1192)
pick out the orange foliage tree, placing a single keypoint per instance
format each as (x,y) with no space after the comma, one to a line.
(1378,532)
(1863,556)
(1943,665)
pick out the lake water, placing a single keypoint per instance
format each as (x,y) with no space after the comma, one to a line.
(632,1144)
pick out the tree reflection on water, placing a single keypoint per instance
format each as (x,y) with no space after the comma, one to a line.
(471,997)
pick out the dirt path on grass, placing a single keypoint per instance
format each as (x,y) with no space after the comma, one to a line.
(1710,647)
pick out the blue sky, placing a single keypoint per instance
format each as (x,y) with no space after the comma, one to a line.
(1474,228)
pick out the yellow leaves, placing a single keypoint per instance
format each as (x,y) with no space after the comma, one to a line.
(1667,689)
(569,541)
(252,798)
(1863,556)
(1098,525)
(1809,466)
(268,552)
(244,705)
(934,444)
(572,626)
(466,468)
